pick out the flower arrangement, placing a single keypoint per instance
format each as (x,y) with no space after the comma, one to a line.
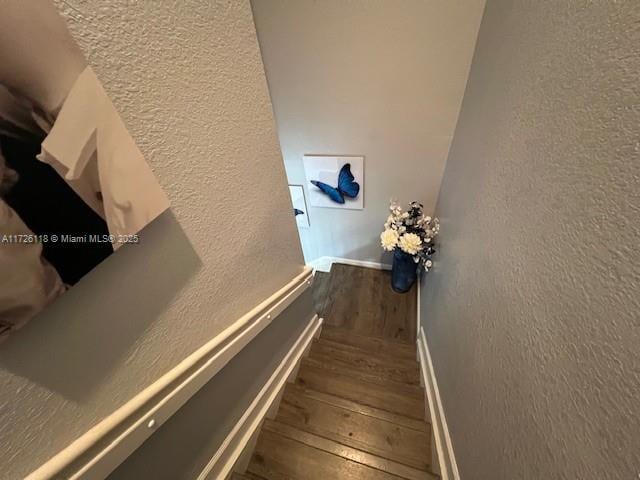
(412,232)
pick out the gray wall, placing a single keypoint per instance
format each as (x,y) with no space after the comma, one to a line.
(379,78)
(188,80)
(532,310)
(183,446)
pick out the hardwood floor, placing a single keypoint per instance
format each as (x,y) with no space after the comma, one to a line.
(321,283)
(361,301)
(356,410)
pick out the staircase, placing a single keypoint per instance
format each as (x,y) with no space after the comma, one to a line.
(355,411)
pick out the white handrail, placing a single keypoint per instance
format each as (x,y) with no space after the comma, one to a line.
(127,427)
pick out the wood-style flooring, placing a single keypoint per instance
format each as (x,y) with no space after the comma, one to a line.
(356,409)
(361,301)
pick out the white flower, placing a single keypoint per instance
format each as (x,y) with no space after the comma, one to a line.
(402,229)
(428,264)
(389,239)
(428,240)
(427,219)
(394,208)
(410,243)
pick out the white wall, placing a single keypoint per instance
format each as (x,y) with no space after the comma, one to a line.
(183,446)
(188,79)
(531,311)
(379,78)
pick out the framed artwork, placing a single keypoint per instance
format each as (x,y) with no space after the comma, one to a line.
(74,187)
(335,181)
(299,203)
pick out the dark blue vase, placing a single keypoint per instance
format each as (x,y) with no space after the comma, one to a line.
(404,272)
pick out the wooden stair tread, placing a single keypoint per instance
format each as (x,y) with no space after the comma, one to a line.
(280,458)
(283,452)
(369,344)
(371,376)
(354,406)
(361,301)
(407,401)
(370,434)
(377,355)
(350,358)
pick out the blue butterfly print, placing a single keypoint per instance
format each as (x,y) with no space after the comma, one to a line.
(297,211)
(347,186)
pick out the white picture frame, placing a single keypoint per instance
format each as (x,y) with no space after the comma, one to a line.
(71,177)
(326,170)
(299,204)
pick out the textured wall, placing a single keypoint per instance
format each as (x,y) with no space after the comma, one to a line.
(182,447)
(188,79)
(379,78)
(532,311)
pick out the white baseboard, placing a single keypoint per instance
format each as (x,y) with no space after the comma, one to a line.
(102,448)
(241,440)
(323,264)
(446,460)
